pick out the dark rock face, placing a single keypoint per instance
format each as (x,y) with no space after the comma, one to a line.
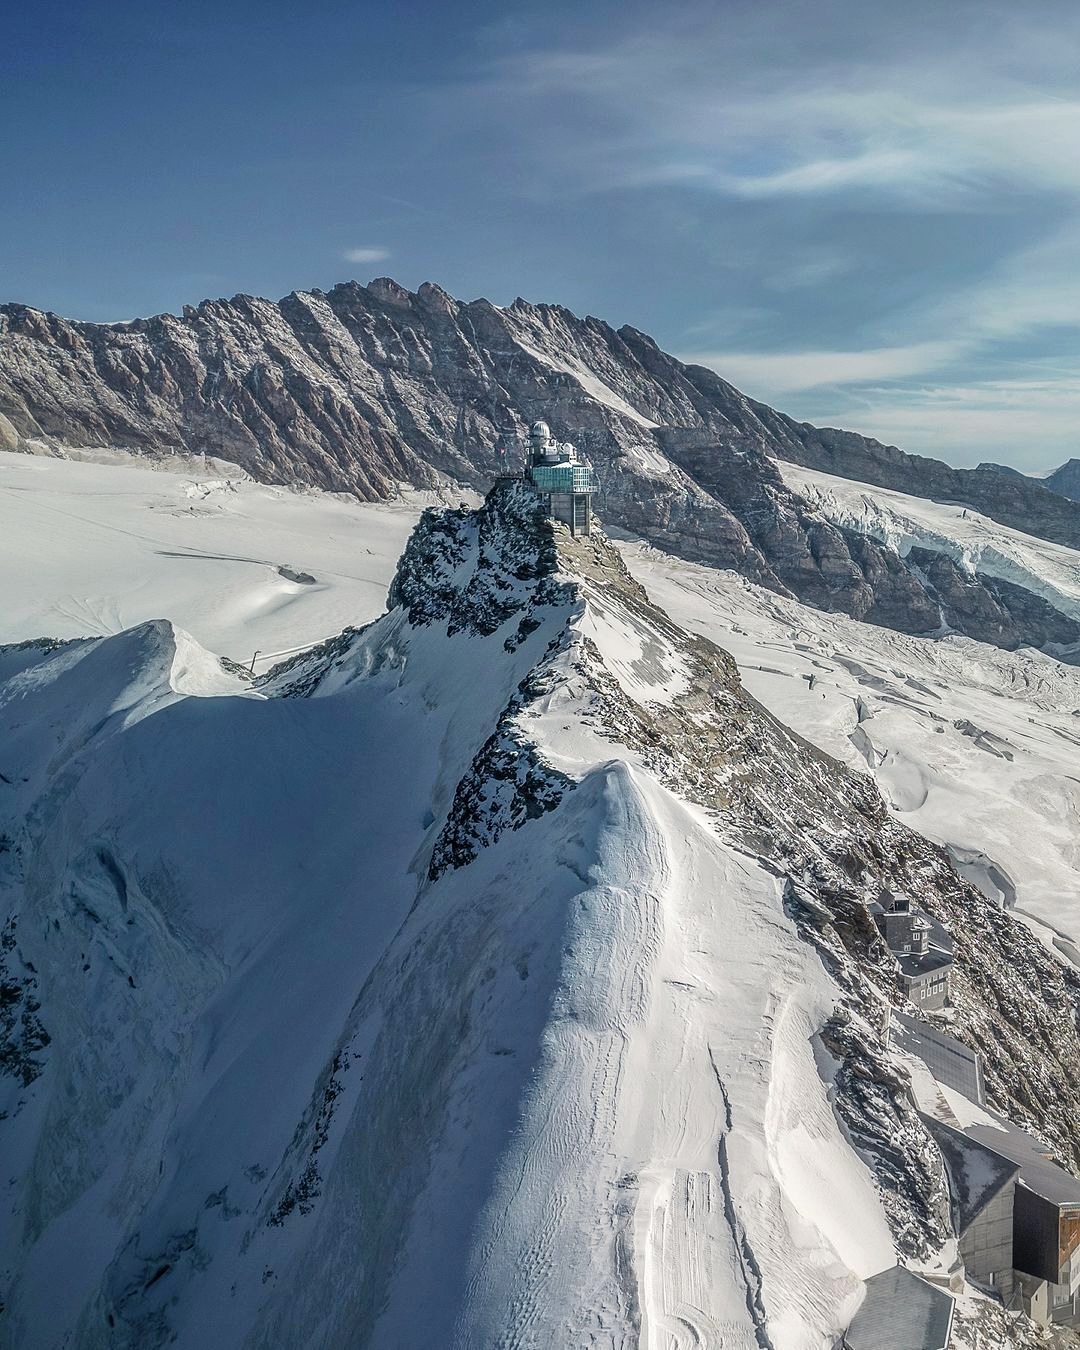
(991,608)
(365,387)
(1066,480)
(988,467)
(503,582)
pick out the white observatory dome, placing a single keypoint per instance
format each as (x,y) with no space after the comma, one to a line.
(540,430)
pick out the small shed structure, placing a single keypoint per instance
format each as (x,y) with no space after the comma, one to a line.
(901,1311)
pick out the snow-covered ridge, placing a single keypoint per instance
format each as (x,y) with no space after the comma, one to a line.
(464,997)
(980,545)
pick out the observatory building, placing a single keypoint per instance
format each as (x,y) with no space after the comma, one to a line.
(922,947)
(566,480)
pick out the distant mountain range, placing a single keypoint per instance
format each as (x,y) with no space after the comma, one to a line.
(1065,479)
(363,388)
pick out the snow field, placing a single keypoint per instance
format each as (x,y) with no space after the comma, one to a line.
(88,549)
(973,746)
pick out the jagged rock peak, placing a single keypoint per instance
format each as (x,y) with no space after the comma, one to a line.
(390,292)
(506,549)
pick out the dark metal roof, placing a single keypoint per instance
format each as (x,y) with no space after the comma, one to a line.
(976,1173)
(1037,1172)
(949,1060)
(916,965)
(901,1312)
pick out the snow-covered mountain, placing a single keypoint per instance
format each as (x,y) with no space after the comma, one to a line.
(364,388)
(498,972)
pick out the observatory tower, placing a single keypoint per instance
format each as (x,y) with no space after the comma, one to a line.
(559,472)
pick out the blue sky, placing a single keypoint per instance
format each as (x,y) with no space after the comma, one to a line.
(863,213)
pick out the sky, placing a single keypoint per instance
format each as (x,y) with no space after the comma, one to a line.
(866,214)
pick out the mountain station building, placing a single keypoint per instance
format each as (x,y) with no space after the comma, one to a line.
(1015,1212)
(566,479)
(923,949)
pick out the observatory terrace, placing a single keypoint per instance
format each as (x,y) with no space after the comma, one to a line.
(498,973)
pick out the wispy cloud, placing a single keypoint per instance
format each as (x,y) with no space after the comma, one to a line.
(729,112)
(880,204)
(1029,423)
(1034,288)
(779,373)
(367,254)
(808,268)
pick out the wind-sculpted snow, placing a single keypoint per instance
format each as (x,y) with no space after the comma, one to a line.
(510,982)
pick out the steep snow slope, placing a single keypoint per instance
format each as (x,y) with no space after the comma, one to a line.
(245,1040)
(974,747)
(88,549)
(203,895)
(458,993)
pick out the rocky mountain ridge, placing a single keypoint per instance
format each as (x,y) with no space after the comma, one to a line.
(365,387)
(815,821)
(1064,480)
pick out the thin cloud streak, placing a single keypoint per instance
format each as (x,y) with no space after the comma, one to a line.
(986,128)
(656,110)
(1030,424)
(790,372)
